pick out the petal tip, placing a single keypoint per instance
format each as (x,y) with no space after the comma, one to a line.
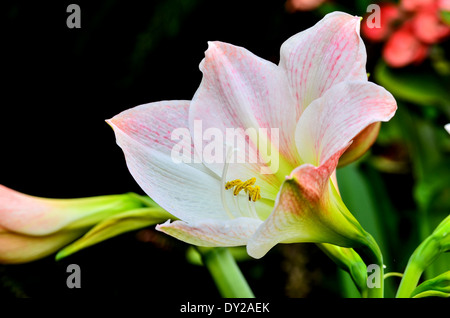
(160,227)
(212,46)
(253,253)
(256,250)
(114,121)
(110,122)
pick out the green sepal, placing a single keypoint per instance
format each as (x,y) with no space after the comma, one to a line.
(435,287)
(350,261)
(116,225)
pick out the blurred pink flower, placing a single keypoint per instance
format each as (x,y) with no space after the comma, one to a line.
(302,5)
(404,48)
(390,13)
(444,5)
(409,30)
(415,5)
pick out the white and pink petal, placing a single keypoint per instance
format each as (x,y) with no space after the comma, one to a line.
(187,190)
(211,233)
(335,119)
(322,56)
(240,91)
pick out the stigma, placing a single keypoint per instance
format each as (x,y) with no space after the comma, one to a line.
(254,192)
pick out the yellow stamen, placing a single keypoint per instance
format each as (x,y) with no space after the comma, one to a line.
(238,189)
(231,184)
(254,193)
(249,182)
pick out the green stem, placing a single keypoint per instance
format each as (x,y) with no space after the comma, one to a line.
(225,272)
(420,259)
(393,274)
(423,256)
(373,253)
(409,280)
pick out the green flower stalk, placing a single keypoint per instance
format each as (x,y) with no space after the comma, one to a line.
(425,254)
(350,261)
(225,272)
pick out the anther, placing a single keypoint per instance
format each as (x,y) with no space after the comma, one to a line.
(254,192)
(249,182)
(238,188)
(231,184)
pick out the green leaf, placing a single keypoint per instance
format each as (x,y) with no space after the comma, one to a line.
(445,16)
(431,170)
(429,190)
(357,196)
(366,198)
(116,225)
(415,86)
(361,7)
(436,287)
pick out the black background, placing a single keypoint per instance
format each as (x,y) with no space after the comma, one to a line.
(60,84)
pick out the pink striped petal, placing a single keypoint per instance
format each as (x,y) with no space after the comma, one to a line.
(187,190)
(308,209)
(332,121)
(242,91)
(235,232)
(322,56)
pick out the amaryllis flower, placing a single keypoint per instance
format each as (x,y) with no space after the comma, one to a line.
(33,227)
(312,105)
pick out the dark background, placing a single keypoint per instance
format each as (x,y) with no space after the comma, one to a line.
(58,87)
(60,84)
